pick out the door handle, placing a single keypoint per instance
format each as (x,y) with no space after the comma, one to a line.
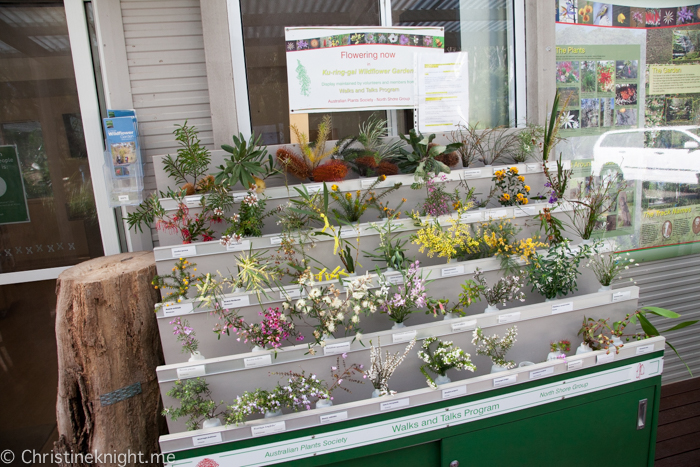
(642,414)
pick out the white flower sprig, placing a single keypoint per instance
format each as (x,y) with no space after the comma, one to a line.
(607,267)
(495,347)
(446,356)
(506,289)
(380,370)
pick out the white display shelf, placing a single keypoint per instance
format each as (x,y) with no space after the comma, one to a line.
(573,365)
(299,353)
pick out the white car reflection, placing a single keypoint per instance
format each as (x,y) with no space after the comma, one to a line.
(662,154)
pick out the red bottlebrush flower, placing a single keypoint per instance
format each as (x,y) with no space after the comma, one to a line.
(207,463)
(207,238)
(387,168)
(293,164)
(332,171)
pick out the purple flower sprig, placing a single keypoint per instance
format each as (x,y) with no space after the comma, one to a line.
(185,335)
(274,328)
(407,297)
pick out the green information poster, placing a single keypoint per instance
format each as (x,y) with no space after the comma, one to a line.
(13,203)
(599,84)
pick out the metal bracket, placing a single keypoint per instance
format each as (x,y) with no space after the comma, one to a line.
(120,394)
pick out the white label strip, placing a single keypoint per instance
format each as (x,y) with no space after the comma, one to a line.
(574,364)
(532,168)
(464,325)
(243,245)
(276,240)
(509,318)
(454,392)
(238,197)
(260,360)
(553,165)
(406,336)
(268,428)
(470,217)
(394,404)
(193,201)
(335,349)
(620,296)
(645,349)
(562,307)
(235,302)
(505,381)
(453,271)
(500,167)
(315,188)
(177,309)
(123,197)
(394,279)
(184,251)
(334,417)
(347,231)
(605,358)
(471,173)
(191,372)
(367,182)
(498,213)
(206,440)
(542,372)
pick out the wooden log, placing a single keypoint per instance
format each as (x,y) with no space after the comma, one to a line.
(107,339)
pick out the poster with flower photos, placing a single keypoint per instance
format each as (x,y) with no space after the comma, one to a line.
(349,68)
(598,85)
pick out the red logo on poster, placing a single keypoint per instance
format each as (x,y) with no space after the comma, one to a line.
(640,371)
(207,463)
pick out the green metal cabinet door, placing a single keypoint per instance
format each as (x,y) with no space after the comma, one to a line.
(600,432)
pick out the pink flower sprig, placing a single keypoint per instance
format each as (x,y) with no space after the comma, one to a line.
(274,328)
(347,374)
(185,335)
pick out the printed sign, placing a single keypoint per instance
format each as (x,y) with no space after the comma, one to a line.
(13,201)
(351,68)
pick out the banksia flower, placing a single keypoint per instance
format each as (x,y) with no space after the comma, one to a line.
(189,189)
(450,159)
(387,168)
(293,164)
(366,161)
(332,171)
(204,185)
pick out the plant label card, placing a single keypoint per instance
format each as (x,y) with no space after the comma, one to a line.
(645,349)
(574,365)
(184,251)
(562,308)
(177,309)
(235,302)
(347,231)
(605,358)
(509,318)
(464,325)
(275,240)
(505,381)
(498,213)
(406,336)
(260,360)
(123,197)
(334,417)
(243,245)
(552,165)
(268,428)
(395,404)
(367,182)
(335,349)
(454,392)
(453,271)
(191,372)
(206,440)
(530,168)
(193,201)
(470,217)
(290,293)
(525,211)
(239,196)
(497,168)
(471,173)
(314,188)
(394,279)
(542,372)
(621,296)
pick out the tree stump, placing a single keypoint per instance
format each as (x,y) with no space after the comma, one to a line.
(108,340)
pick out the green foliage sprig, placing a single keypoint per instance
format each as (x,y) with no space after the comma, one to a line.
(495,347)
(420,160)
(192,160)
(249,163)
(179,281)
(195,403)
(554,274)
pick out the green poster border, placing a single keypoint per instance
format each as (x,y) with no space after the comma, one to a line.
(21,181)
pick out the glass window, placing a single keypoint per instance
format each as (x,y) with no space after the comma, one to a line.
(482,29)
(266,66)
(40,122)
